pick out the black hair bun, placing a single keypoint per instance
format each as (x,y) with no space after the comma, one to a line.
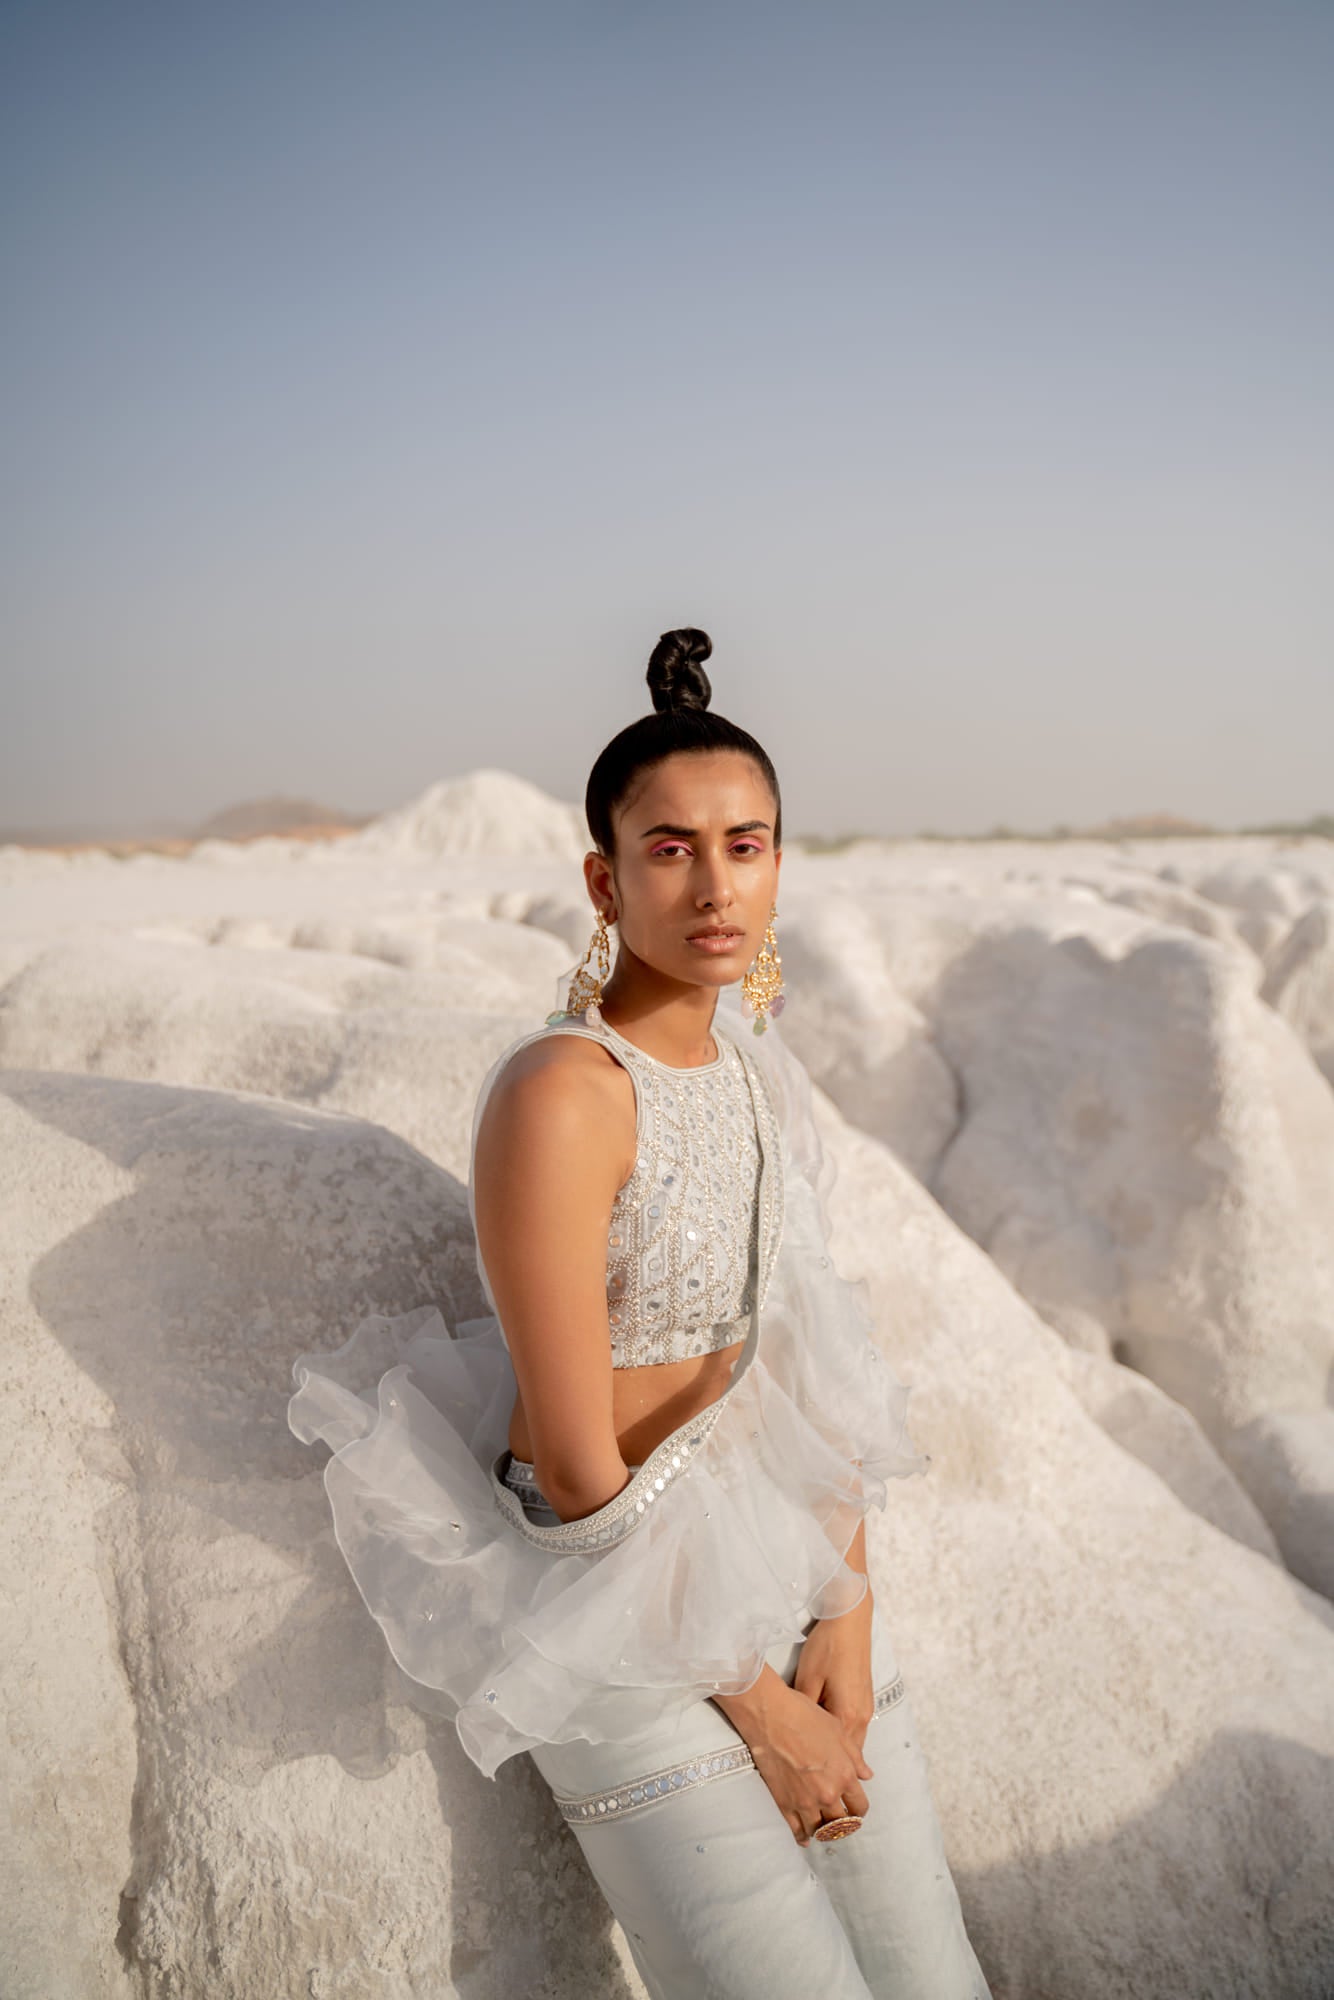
(676,675)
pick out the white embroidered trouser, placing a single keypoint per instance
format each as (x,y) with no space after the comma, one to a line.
(715,1897)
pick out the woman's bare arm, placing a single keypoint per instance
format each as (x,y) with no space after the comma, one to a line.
(553,1147)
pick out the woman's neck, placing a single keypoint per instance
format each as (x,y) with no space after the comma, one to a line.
(678,1032)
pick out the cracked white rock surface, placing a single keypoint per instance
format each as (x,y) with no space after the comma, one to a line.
(1088,1127)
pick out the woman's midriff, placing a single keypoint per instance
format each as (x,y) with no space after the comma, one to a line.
(648,1404)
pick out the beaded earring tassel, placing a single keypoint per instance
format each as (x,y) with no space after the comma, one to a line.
(762,986)
(585,992)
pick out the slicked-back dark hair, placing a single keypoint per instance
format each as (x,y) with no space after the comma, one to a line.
(682,721)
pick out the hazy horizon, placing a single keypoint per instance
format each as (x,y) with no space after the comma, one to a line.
(379,385)
(1141,825)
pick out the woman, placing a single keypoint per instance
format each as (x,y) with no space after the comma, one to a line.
(619,1523)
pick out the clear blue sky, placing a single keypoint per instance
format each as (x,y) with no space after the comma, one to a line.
(380,380)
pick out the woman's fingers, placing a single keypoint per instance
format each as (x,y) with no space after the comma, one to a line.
(851,1800)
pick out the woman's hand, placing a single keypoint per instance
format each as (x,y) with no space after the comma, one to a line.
(808,1740)
(811,1762)
(835,1669)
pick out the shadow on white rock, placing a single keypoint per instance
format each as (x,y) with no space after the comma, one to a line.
(1095,1668)
(1163,1435)
(1146,1143)
(325,1027)
(1264,896)
(216,1785)
(1299,982)
(1112,1695)
(864,1043)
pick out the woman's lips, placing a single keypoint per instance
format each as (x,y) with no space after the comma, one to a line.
(716,945)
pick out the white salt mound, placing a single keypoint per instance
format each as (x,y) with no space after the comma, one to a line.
(1083,1155)
(488,812)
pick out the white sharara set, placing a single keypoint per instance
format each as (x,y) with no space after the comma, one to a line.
(595,1645)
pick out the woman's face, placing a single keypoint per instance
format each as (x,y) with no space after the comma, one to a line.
(694,846)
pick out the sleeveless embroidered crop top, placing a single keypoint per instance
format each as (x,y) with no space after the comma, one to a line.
(683,1239)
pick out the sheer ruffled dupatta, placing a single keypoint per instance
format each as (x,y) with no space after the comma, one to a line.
(725,1541)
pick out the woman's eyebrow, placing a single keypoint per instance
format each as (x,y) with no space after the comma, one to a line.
(690,832)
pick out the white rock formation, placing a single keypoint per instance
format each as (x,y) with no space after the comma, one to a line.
(234,1105)
(487,812)
(856,1031)
(1299,981)
(1141,1143)
(265,1815)
(326,1028)
(1147,1142)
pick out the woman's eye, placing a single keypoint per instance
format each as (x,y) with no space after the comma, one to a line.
(676,847)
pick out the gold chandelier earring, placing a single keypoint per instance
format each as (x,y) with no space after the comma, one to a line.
(586,987)
(762,986)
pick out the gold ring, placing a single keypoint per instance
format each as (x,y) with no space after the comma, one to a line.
(838,1829)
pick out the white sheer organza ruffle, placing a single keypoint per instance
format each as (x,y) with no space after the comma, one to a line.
(724,1542)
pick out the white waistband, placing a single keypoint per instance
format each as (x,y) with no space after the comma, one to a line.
(522,1476)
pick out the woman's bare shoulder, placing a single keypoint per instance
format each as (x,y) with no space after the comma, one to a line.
(563,1089)
(557,1057)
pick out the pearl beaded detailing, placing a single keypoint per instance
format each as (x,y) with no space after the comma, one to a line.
(680,1280)
(655,1785)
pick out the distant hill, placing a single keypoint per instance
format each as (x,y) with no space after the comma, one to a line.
(1322,825)
(284,818)
(1146,826)
(79,833)
(1135,826)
